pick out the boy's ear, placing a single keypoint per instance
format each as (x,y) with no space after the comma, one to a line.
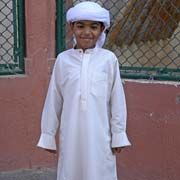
(102,28)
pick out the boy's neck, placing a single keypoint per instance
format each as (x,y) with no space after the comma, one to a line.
(76,47)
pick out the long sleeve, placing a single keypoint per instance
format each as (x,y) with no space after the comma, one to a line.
(118,112)
(51,112)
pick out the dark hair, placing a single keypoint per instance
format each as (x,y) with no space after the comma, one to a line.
(101,23)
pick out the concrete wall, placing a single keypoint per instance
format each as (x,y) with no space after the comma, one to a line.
(22,97)
(153,111)
(153,126)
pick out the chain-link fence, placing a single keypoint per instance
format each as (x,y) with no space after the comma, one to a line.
(145,36)
(11,37)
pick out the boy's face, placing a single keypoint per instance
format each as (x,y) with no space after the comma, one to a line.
(86,33)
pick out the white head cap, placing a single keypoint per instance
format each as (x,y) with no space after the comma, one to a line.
(90,11)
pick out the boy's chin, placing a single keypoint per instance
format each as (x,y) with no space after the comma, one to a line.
(89,47)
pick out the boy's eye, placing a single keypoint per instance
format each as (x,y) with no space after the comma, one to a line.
(94,27)
(79,26)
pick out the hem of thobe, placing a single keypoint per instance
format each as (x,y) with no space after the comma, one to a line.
(47,141)
(120,140)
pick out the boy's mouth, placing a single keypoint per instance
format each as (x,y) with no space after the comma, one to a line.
(87,38)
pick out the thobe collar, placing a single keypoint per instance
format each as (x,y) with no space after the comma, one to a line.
(87,51)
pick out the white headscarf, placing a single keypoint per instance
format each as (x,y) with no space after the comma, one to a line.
(90,11)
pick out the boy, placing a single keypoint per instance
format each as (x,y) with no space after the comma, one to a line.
(86,93)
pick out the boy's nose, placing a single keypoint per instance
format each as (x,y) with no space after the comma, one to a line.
(87,31)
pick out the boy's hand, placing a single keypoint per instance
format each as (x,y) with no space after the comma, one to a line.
(51,151)
(116,150)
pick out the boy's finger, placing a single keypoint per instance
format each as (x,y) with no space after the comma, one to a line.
(119,150)
(116,150)
(51,151)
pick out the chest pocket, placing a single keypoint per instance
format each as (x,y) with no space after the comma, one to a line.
(99,84)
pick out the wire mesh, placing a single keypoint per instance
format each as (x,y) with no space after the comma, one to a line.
(11,37)
(145,36)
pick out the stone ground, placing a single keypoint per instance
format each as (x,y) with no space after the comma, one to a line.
(32,174)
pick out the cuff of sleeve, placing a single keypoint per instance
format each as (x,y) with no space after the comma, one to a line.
(120,140)
(47,141)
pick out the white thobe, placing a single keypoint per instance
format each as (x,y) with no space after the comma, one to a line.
(86,93)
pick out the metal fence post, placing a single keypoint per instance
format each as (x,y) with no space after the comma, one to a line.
(60,25)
